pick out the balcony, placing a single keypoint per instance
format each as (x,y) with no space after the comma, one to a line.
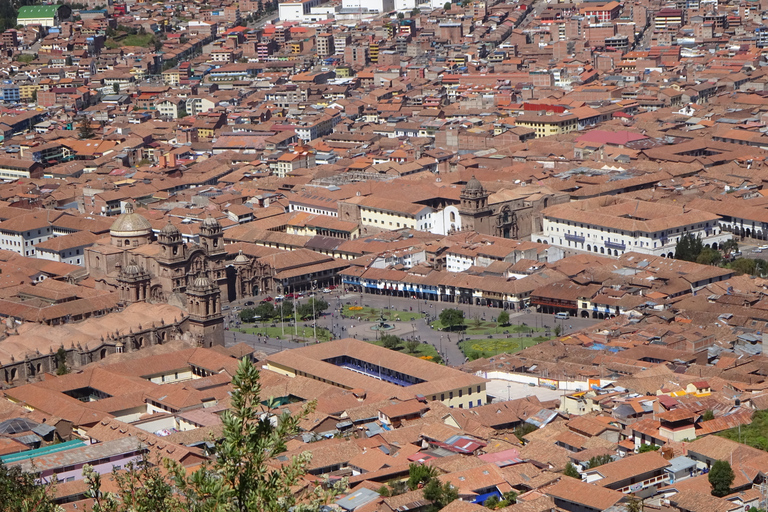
(574,238)
(615,245)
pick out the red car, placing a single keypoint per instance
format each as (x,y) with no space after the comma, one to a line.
(268,299)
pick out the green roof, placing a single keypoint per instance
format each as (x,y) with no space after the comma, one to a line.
(37,11)
(39,452)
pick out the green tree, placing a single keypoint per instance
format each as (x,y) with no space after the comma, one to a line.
(440,494)
(729,246)
(634,504)
(720,478)
(570,470)
(116,88)
(240,479)
(143,488)
(84,128)
(647,448)
(492,502)
(306,311)
(34,96)
(447,6)
(708,415)
(247,315)
(20,492)
(286,309)
(688,248)
(523,430)
(61,362)
(390,341)
(709,257)
(400,16)
(507,499)
(503,318)
(452,318)
(420,474)
(558,329)
(265,310)
(744,266)
(599,460)
(412,346)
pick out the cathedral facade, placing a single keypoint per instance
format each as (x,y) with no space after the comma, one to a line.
(508,212)
(198,277)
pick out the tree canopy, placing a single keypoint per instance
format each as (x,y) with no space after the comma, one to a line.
(238,480)
(688,248)
(721,477)
(452,318)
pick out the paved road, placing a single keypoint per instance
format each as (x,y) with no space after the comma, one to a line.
(445,343)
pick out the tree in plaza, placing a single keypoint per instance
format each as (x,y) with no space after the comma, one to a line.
(306,311)
(558,329)
(240,479)
(286,309)
(412,346)
(571,471)
(709,257)
(688,248)
(452,318)
(729,246)
(265,310)
(390,341)
(720,478)
(503,318)
(744,266)
(247,315)
(19,491)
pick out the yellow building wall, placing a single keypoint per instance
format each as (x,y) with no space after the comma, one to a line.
(385,220)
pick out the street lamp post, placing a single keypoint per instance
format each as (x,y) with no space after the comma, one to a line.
(313,299)
(280,291)
(295,314)
(441,345)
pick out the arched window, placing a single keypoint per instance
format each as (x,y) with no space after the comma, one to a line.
(453,216)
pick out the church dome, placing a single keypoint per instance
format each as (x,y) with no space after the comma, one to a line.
(170,230)
(473,186)
(130,223)
(211,223)
(241,258)
(133,269)
(202,282)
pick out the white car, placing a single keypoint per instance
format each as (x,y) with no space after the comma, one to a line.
(280,297)
(326,290)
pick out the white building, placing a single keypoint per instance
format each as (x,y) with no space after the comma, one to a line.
(379,6)
(67,248)
(446,221)
(296,10)
(611,227)
(21,234)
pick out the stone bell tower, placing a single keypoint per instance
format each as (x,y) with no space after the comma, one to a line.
(475,212)
(204,305)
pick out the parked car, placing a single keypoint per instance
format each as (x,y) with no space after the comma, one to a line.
(249,303)
(326,290)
